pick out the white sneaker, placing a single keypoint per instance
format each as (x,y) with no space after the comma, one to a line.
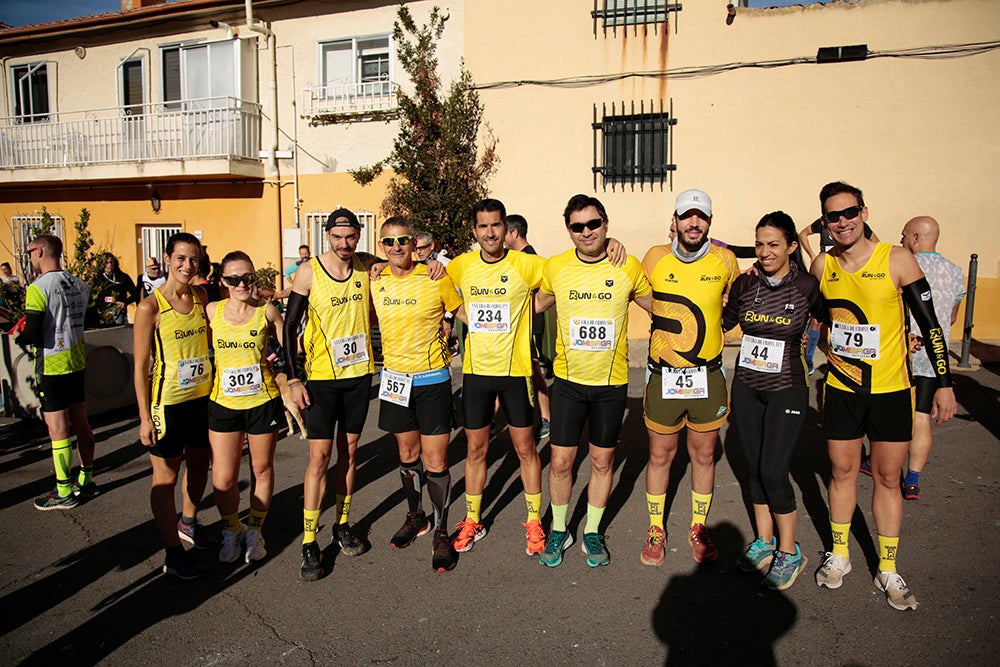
(232,544)
(831,572)
(897,593)
(255,546)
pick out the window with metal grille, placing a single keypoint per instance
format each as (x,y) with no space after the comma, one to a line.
(26,228)
(633,146)
(615,13)
(31,92)
(317,223)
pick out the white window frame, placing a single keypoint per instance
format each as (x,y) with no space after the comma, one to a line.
(25,228)
(324,79)
(15,92)
(144,83)
(316,222)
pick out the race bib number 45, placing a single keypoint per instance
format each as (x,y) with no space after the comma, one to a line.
(591,335)
(349,350)
(685,382)
(192,372)
(492,318)
(856,341)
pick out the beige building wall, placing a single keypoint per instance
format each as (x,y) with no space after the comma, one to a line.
(917,135)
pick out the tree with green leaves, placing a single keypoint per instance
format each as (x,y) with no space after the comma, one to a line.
(439,169)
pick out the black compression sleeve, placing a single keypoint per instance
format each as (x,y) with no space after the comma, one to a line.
(34,321)
(296,308)
(918,298)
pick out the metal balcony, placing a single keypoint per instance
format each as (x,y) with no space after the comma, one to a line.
(211,128)
(349,98)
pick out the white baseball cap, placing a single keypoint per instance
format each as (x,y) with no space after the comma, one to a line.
(693,199)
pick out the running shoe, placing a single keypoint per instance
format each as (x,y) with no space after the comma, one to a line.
(811,369)
(534,535)
(414,525)
(596,550)
(654,550)
(701,543)
(350,543)
(183,567)
(911,491)
(757,556)
(559,541)
(87,491)
(544,428)
(866,465)
(312,567)
(469,532)
(195,534)
(831,572)
(53,501)
(897,593)
(444,558)
(255,550)
(785,569)
(232,544)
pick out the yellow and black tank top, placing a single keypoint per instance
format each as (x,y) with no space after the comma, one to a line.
(243,378)
(867,352)
(182,370)
(337,338)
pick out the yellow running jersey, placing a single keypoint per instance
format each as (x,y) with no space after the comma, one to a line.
(867,352)
(687,305)
(337,339)
(181,367)
(409,316)
(498,302)
(592,316)
(243,378)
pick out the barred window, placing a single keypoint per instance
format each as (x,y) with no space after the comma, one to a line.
(317,225)
(616,13)
(632,148)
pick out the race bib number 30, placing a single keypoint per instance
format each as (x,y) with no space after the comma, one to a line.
(395,388)
(349,350)
(685,382)
(245,381)
(491,318)
(764,355)
(192,372)
(856,341)
(591,335)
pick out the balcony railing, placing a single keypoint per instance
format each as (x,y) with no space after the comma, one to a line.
(350,98)
(215,127)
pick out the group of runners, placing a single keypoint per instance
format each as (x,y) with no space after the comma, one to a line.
(193,410)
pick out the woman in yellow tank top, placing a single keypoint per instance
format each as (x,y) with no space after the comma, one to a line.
(171,332)
(244,402)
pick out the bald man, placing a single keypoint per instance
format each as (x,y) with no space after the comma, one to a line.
(920,236)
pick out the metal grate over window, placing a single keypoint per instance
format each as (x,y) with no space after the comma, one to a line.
(633,146)
(616,14)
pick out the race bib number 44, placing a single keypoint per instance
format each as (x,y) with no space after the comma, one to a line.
(591,335)
(492,318)
(764,355)
(349,350)
(856,341)
(192,372)
(685,382)
(245,381)
(395,388)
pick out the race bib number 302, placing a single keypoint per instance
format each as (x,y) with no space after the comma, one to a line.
(349,350)
(488,317)
(685,382)
(856,341)
(591,335)
(246,381)
(192,372)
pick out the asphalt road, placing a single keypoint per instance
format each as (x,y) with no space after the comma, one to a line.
(84,586)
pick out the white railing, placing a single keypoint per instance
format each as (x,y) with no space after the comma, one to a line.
(216,127)
(349,98)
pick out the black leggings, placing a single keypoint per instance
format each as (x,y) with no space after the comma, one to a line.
(774,418)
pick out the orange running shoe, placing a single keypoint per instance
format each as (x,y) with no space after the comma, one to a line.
(469,532)
(535,536)
(701,544)
(653,551)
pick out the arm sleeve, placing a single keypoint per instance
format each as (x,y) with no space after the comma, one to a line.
(731,312)
(297,304)
(32,333)
(918,298)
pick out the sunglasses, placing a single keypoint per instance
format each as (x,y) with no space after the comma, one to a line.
(27,253)
(247,279)
(578,227)
(848,214)
(421,247)
(395,240)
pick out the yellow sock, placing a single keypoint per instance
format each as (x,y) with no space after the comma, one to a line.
(230,521)
(840,531)
(86,475)
(559,517)
(594,516)
(310,522)
(700,504)
(887,547)
(534,503)
(473,505)
(343,508)
(655,503)
(256,520)
(62,459)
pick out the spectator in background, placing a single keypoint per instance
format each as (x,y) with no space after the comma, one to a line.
(115,291)
(7,275)
(149,280)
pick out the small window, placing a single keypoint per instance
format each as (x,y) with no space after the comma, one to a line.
(26,228)
(317,224)
(30,84)
(632,148)
(133,95)
(352,67)
(620,13)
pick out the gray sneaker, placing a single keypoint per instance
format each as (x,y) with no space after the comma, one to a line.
(232,544)
(897,593)
(558,542)
(597,552)
(254,542)
(831,572)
